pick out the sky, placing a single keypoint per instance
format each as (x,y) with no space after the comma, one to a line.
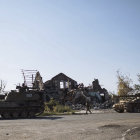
(85,39)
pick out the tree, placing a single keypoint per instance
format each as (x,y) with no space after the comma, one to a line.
(124,84)
(136,86)
(2,85)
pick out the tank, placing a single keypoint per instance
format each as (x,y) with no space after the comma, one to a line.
(133,106)
(22,103)
(128,104)
(119,107)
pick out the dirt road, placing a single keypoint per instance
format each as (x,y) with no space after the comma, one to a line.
(100,126)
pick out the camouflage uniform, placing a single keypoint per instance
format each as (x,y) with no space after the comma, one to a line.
(88,106)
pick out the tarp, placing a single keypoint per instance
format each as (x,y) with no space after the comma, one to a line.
(95,94)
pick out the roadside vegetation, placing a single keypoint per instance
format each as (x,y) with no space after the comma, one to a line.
(54,108)
(125,84)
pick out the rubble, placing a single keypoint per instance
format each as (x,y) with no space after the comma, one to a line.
(102,91)
(67,91)
(38,82)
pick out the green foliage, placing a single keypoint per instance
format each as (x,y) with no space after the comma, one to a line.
(50,105)
(124,84)
(62,109)
(53,107)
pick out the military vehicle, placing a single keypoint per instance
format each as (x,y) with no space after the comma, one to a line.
(130,103)
(120,107)
(25,101)
(133,106)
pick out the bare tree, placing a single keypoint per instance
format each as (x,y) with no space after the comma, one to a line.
(2,85)
(137,86)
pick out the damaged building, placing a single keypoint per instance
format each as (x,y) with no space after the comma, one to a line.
(58,84)
(64,89)
(97,93)
(60,81)
(38,82)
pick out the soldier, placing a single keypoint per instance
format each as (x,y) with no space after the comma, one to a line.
(88,106)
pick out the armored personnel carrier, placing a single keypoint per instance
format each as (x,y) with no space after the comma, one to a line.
(128,104)
(22,103)
(26,101)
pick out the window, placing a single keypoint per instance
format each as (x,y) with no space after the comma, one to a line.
(67,85)
(61,85)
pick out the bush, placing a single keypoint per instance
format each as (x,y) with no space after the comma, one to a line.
(49,107)
(53,107)
(62,109)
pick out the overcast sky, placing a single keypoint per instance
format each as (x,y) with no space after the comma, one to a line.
(85,39)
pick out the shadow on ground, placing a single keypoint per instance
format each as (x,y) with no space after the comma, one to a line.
(37,118)
(49,117)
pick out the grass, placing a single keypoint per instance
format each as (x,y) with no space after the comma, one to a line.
(54,108)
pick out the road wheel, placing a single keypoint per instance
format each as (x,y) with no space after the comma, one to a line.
(2,116)
(6,115)
(31,114)
(130,108)
(15,115)
(24,114)
(120,110)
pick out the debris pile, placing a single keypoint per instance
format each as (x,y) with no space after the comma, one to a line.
(101,91)
(67,91)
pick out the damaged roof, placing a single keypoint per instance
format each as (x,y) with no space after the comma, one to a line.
(62,74)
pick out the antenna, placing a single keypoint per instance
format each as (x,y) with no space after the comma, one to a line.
(29,77)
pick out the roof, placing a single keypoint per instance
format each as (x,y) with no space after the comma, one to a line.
(62,74)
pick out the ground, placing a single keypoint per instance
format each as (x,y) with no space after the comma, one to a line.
(100,125)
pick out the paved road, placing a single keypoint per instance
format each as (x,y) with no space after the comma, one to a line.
(97,126)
